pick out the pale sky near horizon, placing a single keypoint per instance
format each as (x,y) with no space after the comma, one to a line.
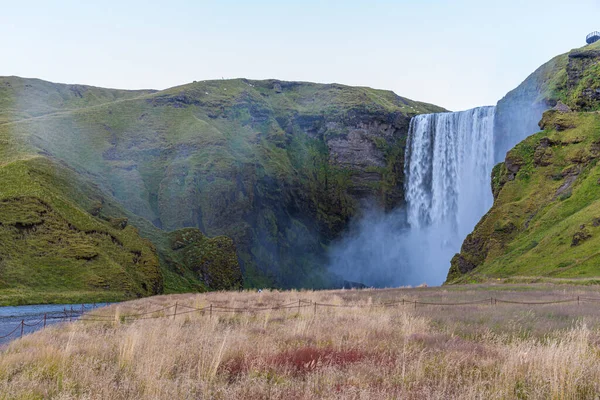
(457,54)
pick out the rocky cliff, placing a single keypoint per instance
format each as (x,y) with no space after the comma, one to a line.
(544,221)
(279,168)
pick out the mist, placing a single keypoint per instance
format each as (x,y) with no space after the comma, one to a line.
(449,159)
(381,250)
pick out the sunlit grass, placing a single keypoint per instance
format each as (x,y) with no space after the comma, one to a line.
(361,351)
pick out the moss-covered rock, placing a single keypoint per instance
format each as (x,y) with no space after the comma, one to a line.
(545,191)
(214,260)
(544,215)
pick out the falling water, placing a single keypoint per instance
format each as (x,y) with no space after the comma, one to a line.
(448,165)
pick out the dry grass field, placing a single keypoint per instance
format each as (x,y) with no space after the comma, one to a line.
(354,348)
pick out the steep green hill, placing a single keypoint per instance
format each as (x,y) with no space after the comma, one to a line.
(545,221)
(52,249)
(273,170)
(63,240)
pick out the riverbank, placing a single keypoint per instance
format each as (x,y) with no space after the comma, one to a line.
(23,297)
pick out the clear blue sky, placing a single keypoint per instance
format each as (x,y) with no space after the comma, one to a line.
(457,54)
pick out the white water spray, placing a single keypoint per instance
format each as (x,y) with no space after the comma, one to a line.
(449,159)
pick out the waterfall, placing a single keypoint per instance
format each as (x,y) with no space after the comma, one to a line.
(448,165)
(449,160)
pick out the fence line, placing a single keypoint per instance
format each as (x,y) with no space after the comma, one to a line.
(82,315)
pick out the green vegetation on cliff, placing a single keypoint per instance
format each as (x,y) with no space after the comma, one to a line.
(53,249)
(270,171)
(518,113)
(545,221)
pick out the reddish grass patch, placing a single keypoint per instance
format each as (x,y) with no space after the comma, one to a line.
(299,361)
(306,359)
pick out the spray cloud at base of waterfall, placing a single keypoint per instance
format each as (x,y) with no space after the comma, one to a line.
(449,158)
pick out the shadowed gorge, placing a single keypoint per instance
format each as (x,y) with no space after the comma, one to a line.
(272,171)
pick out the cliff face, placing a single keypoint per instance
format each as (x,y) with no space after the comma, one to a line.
(518,113)
(545,215)
(278,167)
(567,78)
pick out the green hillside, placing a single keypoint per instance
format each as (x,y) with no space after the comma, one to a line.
(63,240)
(53,249)
(545,221)
(22,98)
(270,171)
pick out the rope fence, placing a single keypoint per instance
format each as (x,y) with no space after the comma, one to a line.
(85,313)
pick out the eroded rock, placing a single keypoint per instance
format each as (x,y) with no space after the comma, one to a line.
(580,237)
(561,107)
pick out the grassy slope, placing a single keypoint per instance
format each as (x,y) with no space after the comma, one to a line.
(246,159)
(53,250)
(63,238)
(544,221)
(22,98)
(549,83)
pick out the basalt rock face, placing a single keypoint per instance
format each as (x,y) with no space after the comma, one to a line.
(582,83)
(544,219)
(277,167)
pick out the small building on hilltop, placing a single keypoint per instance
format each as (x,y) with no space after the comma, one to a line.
(592,37)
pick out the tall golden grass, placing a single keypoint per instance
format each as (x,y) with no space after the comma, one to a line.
(358,352)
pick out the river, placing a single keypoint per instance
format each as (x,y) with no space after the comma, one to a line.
(34,317)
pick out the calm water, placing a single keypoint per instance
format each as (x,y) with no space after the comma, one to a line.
(11,317)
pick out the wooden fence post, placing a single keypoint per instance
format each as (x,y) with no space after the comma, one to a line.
(22,326)
(45,315)
(175,313)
